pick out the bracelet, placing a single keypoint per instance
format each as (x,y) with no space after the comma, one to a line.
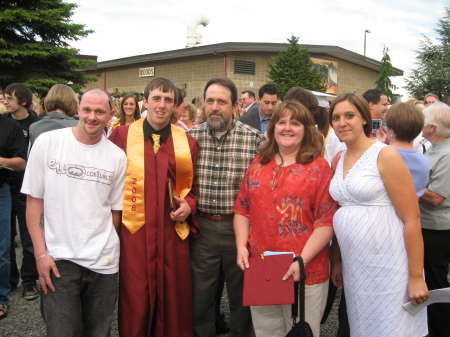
(40,257)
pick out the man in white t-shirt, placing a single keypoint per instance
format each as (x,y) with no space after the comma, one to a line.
(74,186)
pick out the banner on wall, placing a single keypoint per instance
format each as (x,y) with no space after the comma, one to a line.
(328,69)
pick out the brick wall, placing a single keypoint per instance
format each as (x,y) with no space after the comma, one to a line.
(192,73)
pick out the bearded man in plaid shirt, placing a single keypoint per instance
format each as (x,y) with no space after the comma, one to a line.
(227,148)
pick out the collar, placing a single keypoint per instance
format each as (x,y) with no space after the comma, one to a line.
(164,132)
(261,118)
(440,145)
(57,115)
(247,108)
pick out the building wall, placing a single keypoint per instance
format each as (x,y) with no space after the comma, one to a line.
(192,73)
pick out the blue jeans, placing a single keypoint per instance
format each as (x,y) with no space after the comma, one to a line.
(83,303)
(28,270)
(5,240)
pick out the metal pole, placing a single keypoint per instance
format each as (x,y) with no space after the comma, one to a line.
(365,33)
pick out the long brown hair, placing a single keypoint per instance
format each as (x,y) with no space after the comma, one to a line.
(309,148)
(137,115)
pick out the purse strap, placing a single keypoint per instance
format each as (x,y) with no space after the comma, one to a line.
(300,294)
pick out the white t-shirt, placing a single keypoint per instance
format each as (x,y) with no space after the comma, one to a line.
(80,185)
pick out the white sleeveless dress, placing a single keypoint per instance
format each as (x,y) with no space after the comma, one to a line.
(375,264)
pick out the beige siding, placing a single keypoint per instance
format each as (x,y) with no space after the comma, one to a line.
(192,73)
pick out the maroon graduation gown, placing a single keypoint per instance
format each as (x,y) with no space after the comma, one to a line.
(155,292)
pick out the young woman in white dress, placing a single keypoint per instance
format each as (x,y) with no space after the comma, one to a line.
(377,228)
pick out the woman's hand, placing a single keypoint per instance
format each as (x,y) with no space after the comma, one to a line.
(294,270)
(242,258)
(417,290)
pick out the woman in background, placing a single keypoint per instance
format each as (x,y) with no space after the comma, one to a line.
(188,116)
(405,122)
(129,111)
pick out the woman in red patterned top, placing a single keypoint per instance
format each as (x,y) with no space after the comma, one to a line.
(284,205)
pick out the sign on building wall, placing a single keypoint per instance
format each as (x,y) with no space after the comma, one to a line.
(146,72)
(329,70)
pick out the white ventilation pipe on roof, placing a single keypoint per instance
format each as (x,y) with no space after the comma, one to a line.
(194,38)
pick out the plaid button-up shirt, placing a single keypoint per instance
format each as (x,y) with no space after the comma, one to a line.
(221,165)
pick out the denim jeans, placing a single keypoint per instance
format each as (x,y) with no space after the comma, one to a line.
(5,240)
(83,303)
(28,270)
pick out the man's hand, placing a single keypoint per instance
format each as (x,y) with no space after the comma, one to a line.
(381,136)
(44,266)
(183,211)
(336,274)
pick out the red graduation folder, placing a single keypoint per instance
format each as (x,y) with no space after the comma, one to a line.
(263,284)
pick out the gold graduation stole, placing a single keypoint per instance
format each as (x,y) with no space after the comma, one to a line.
(184,173)
(133,215)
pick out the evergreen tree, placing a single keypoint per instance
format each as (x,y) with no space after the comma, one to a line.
(34,44)
(433,64)
(294,68)
(384,82)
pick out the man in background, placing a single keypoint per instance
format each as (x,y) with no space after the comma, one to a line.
(13,153)
(379,104)
(248,100)
(267,99)
(18,100)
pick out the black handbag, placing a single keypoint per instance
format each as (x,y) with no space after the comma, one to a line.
(300,328)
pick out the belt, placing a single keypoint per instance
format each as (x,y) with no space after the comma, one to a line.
(216,217)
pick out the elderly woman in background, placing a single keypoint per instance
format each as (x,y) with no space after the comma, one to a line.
(405,122)
(377,228)
(435,213)
(284,205)
(129,111)
(188,116)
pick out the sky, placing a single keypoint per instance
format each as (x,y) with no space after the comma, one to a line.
(136,27)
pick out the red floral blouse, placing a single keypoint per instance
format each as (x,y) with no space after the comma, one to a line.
(284,206)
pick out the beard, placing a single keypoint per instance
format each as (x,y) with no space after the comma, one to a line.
(217,124)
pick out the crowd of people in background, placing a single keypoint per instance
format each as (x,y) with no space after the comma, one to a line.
(160,203)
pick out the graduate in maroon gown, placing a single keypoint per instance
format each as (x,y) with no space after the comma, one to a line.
(155,297)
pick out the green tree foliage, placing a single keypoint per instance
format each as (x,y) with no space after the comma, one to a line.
(385,71)
(433,64)
(34,45)
(294,68)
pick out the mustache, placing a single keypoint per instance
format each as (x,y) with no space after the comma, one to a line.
(216,114)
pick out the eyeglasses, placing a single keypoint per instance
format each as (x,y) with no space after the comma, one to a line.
(9,99)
